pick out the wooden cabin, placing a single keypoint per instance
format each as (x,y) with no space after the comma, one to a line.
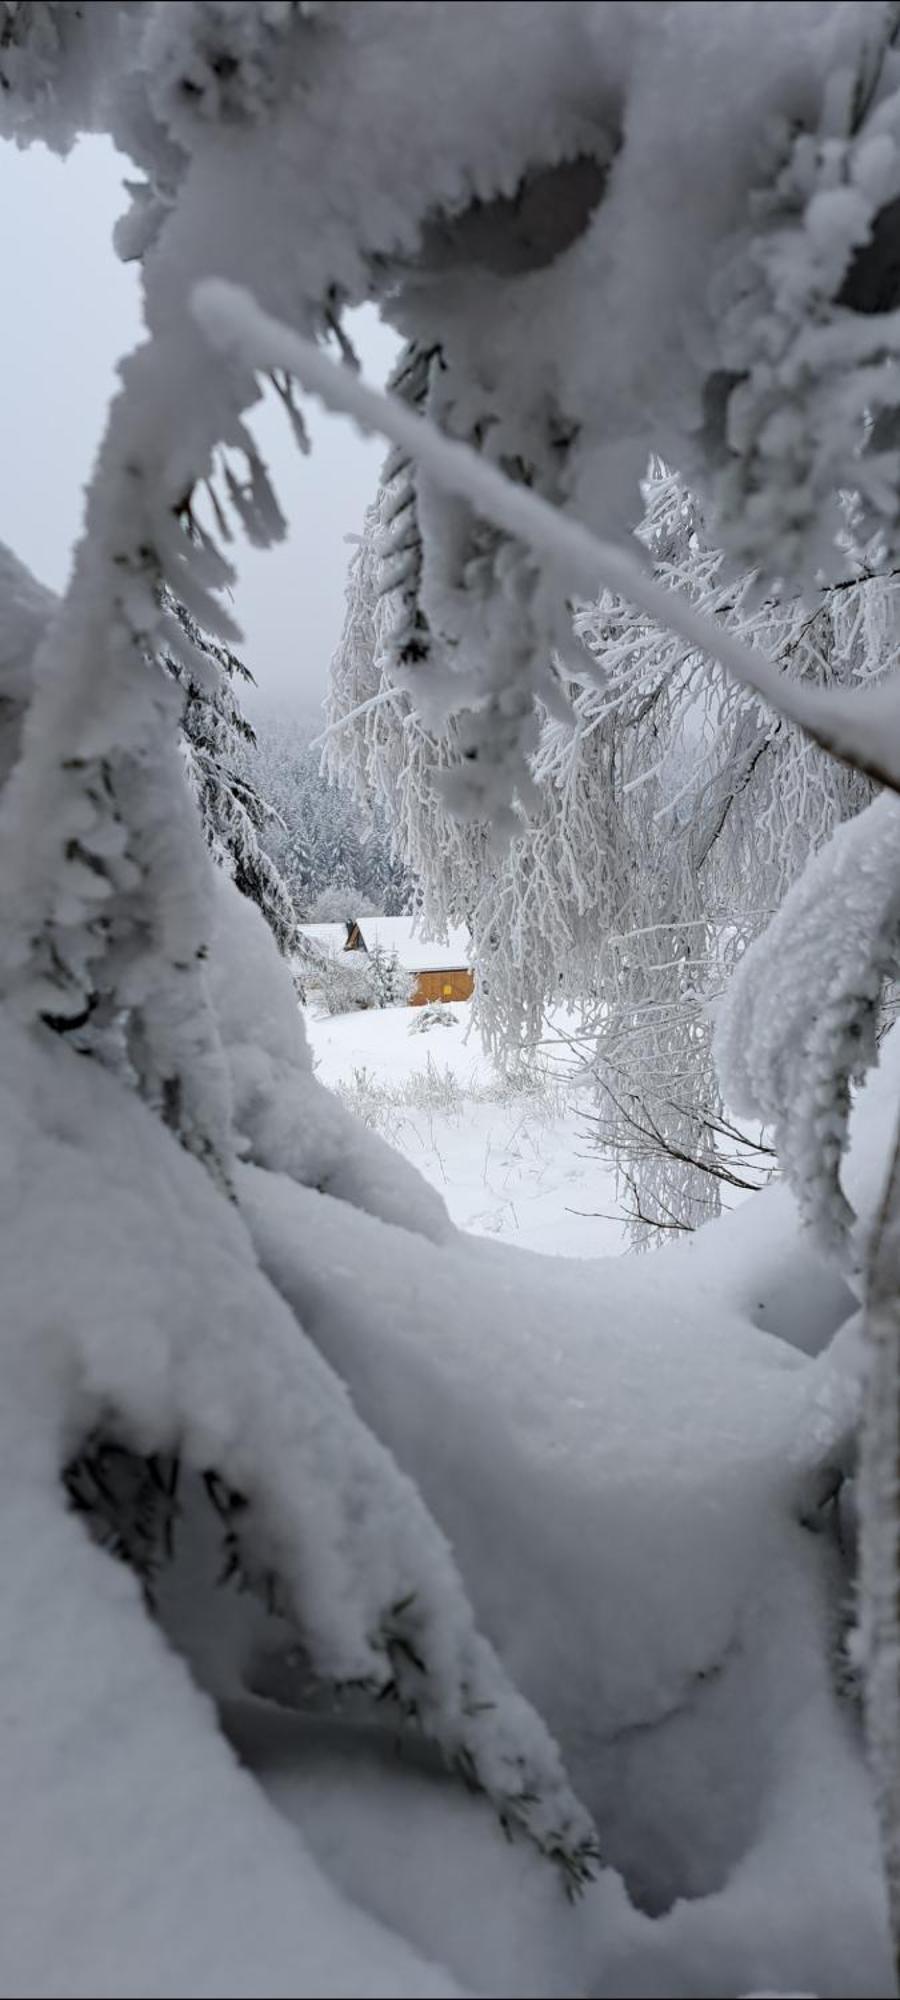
(441,971)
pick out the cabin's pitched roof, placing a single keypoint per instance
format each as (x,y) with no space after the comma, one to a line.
(326,938)
(415,953)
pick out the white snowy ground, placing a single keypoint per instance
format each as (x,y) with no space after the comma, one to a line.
(512,1163)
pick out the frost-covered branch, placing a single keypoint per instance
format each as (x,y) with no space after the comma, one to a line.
(862,728)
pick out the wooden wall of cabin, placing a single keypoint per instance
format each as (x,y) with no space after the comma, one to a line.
(436,986)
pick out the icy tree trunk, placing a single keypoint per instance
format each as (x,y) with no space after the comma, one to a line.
(880,1539)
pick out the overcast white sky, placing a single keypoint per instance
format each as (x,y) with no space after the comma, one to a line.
(70,310)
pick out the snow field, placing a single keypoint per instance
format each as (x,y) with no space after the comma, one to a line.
(512,1157)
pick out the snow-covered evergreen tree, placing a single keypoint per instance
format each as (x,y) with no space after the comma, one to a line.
(234,812)
(317,834)
(215,737)
(389,983)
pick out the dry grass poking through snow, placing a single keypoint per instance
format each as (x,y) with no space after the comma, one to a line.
(439,1088)
(510,1152)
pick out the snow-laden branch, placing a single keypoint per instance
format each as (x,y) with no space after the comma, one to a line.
(861,727)
(353,715)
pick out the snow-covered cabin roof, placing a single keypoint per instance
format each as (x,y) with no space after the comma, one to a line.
(415,953)
(327,938)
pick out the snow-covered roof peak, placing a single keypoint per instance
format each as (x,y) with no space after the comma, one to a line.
(328,938)
(414,952)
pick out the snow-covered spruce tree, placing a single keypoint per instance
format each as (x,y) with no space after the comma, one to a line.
(213,733)
(389,983)
(379,742)
(503,230)
(277,766)
(233,811)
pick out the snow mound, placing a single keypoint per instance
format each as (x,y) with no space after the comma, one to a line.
(151,1324)
(621,1461)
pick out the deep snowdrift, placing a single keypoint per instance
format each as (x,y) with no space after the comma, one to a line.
(630,1472)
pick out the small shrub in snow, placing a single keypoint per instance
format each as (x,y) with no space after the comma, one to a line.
(435,1016)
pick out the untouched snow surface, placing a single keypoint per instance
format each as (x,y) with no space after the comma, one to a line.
(621,1462)
(511,1162)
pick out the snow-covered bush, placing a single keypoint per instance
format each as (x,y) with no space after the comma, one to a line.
(433,1015)
(347,980)
(340,982)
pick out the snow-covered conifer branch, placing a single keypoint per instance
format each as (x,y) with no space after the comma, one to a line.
(799,1023)
(861,728)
